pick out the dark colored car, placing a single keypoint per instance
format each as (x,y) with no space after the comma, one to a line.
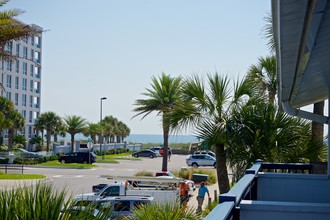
(144,153)
(78,157)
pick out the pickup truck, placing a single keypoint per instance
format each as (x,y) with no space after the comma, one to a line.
(78,157)
(161,194)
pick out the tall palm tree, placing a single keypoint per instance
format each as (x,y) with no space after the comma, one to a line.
(318,107)
(161,98)
(17,123)
(39,126)
(123,131)
(59,129)
(74,125)
(50,120)
(207,111)
(92,130)
(264,76)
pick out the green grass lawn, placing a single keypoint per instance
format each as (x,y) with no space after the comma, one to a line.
(55,163)
(112,158)
(21,176)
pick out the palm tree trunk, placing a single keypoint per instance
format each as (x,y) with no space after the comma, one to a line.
(48,140)
(55,137)
(222,172)
(10,138)
(165,146)
(72,142)
(318,128)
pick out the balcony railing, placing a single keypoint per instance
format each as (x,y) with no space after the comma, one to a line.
(247,188)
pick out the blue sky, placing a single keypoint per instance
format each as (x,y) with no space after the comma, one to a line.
(112,48)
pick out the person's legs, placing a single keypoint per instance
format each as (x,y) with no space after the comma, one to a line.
(200,201)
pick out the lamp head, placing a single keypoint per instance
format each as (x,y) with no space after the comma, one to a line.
(103,98)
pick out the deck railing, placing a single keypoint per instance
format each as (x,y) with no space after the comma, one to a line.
(246,188)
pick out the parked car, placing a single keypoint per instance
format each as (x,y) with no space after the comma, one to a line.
(197,160)
(156,150)
(144,153)
(208,152)
(20,152)
(78,157)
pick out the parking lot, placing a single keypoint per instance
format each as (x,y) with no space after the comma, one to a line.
(77,181)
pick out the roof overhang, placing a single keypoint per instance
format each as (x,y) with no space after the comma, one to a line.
(302,37)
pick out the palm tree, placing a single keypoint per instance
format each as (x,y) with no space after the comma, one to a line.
(92,130)
(17,123)
(123,131)
(74,125)
(59,129)
(318,107)
(264,76)
(50,121)
(207,110)
(39,126)
(162,98)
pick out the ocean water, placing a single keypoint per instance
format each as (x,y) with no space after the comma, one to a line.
(147,138)
(155,138)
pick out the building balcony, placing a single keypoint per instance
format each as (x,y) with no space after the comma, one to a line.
(36,91)
(264,193)
(36,75)
(36,105)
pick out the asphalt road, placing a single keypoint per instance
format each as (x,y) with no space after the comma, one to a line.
(77,181)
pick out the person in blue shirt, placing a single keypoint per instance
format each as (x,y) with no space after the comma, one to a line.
(201,194)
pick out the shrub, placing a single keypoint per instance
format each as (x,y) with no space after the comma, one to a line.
(144,173)
(163,212)
(188,173)
(19,139)
(4,160)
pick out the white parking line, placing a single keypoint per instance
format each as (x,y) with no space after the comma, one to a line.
(57,176)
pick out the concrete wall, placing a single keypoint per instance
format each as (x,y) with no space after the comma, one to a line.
(293,187)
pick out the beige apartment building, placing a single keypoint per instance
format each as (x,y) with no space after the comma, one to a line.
(21,79)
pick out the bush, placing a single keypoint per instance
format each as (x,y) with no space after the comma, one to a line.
(188,173)
(19,139)
(144,173)
(4,160)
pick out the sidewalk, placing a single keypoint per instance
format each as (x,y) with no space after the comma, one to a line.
(193,200)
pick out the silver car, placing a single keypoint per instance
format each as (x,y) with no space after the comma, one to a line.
(197,160)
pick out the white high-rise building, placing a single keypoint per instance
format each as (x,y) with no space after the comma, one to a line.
(21,79)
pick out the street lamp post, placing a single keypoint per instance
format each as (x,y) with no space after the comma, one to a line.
(101,136)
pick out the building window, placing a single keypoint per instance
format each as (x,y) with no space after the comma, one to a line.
(16,82)
(25,52)
(31,69)
(32,53)
(9,48)
(30,116)
(24,84)
(31,101)
(24,68)
(17,50)
(17,66)
(16,99)
(37,71)
(8,84)
(9,65)
(31,85)
(32,40)
(25,39)
(8,95)
(37,57)
(24,100)
(30,132)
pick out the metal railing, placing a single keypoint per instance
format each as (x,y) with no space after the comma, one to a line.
(12,167)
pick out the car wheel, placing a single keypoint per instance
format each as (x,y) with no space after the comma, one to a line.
(215,165)
(136,156)
(194,165)
(62,161)
(151,156)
